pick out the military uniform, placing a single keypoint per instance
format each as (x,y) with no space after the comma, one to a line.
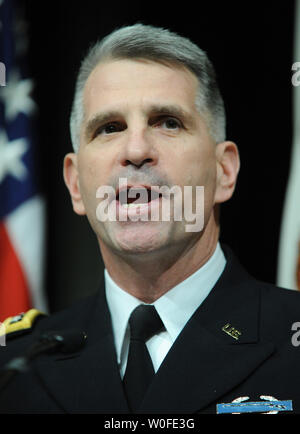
(239,346)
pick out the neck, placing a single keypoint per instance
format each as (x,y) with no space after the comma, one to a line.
(149,276)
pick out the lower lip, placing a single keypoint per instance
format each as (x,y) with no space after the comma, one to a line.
(136,212)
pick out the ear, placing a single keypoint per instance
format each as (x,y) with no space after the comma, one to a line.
(228,166)
(72,182)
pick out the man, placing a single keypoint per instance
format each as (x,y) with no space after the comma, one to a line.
(147,120)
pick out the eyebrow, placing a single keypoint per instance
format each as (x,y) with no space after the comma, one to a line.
(155,109)
(172,109)
(99,119)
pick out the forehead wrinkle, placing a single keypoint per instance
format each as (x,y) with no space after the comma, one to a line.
(171,107)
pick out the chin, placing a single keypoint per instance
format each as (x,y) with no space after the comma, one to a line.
(140,238)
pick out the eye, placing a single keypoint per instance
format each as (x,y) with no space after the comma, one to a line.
(110,128)
(168,122)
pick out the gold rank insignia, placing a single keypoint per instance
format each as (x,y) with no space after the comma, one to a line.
(20,323)
(231,331)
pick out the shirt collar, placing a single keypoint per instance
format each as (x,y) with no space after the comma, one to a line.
(175,307)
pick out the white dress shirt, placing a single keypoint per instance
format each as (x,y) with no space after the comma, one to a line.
(175,309)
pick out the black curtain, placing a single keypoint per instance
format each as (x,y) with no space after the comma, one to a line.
(251,46)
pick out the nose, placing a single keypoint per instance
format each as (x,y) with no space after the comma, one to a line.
(139,150)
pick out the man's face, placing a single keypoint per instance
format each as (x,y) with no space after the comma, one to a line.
(141,123)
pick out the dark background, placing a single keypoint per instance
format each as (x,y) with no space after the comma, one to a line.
(251,46)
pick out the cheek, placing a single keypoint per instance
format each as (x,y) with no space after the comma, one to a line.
(92,167)
(90,179)
(197,167)
(200,170)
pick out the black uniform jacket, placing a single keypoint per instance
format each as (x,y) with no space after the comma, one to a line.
(238,344)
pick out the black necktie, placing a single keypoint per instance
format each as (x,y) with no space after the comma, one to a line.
(144,323)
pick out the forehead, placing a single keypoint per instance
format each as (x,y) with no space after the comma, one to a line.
(116,83)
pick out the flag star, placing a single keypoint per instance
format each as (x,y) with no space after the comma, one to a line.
(16,96)
(11,153)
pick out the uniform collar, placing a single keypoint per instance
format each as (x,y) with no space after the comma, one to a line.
(175,307)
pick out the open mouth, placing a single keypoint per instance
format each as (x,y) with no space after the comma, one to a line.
(137,196)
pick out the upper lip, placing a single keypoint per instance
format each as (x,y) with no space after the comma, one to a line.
(137,186)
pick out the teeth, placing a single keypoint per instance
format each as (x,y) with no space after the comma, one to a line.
(131,205)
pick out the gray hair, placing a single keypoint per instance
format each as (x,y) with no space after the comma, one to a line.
(160,45)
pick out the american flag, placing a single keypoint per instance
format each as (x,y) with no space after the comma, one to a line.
(21,204)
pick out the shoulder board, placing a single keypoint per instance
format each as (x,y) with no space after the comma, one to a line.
(21,323)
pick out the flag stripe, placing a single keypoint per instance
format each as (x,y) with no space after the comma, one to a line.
(25,226)
(14,294)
